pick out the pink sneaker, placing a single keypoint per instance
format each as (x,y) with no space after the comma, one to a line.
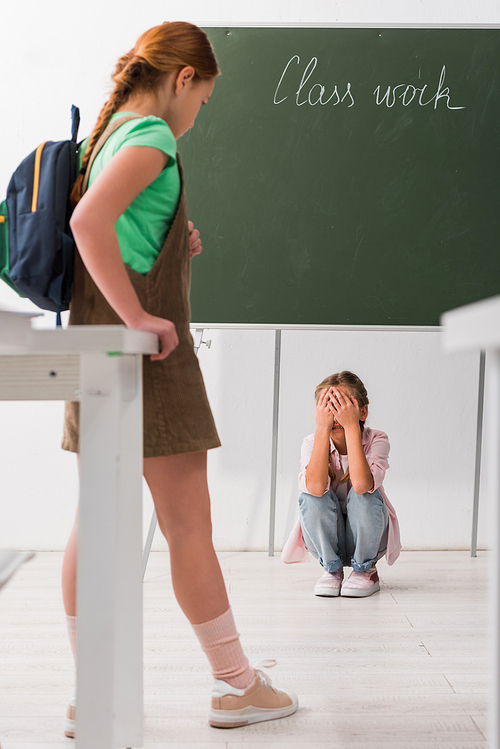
(329,583)
(361,584)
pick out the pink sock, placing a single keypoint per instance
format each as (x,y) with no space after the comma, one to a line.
(221,643)
(71,623)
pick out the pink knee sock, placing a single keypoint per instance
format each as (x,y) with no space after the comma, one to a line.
(218,639)
(221,643)
(71,623)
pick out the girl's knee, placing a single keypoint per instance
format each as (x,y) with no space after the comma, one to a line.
(181,525)
(312,506)
(368,498)
(326,498)
(305,498)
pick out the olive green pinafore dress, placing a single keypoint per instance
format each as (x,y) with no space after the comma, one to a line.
(177,415)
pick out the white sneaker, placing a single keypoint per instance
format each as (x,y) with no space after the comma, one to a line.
(260,701)
(69,726)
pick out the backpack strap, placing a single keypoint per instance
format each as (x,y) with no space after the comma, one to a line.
(102,140)
(75,122)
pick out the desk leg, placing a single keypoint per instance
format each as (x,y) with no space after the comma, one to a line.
(109,597)
(493,447)
(274,450)
(479,444)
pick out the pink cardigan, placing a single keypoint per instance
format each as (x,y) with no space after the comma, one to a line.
(376,447)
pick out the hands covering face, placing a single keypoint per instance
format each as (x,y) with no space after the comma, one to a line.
(323,412)
(335,407)
(344,407)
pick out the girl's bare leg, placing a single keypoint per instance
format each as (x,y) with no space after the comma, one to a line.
(179,487)
(69,571)
(180,492)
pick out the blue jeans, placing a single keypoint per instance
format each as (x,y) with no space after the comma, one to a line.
(357,539)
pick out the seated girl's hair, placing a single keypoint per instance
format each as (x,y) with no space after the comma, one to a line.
(159,51)
(357,390)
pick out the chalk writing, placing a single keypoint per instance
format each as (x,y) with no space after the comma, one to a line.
(317,90)
(309,92)
(409,93)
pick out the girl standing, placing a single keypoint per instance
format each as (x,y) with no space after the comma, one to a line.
(345,516)
(133,267)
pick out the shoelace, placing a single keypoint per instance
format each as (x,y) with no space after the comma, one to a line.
(264,678)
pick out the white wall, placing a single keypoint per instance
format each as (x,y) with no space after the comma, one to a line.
(55,54)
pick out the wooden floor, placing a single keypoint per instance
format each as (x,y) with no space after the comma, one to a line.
(406,668)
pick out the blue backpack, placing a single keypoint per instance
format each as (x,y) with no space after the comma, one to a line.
(37,248)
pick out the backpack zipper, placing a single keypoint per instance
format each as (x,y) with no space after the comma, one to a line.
(36,177)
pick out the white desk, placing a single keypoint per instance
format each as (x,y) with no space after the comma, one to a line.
(101,367)
(474,327)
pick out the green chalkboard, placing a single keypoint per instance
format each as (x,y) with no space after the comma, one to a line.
(346,176)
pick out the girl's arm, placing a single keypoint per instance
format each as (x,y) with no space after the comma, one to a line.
(317,468)
(348,414)
(93,224)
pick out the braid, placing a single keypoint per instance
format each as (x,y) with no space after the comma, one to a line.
(120,94)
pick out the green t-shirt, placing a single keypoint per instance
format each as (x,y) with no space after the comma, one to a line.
(142,229)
